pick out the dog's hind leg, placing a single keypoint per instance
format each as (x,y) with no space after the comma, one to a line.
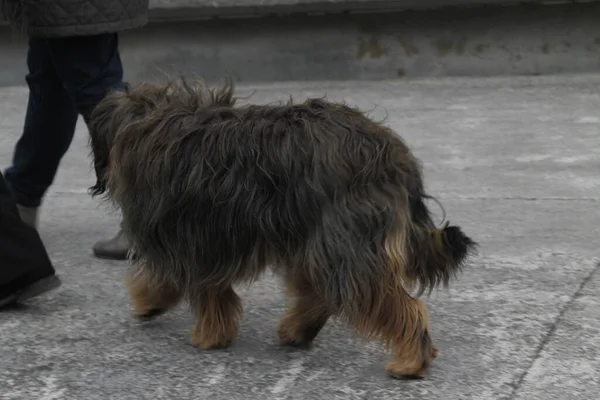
(401,322)
(218,311)
(305,317)
(414,352)
(150,297)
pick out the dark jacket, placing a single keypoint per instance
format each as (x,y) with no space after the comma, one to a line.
(60,18)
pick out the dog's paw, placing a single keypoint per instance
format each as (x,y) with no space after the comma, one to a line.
(296,333)
(402,370)
(302,339)
(413,369)
(287,340)
(148,315)
(210,343)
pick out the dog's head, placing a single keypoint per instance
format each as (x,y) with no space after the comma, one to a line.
(129,111)
(116,110)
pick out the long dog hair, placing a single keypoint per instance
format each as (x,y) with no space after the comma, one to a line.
(213,193)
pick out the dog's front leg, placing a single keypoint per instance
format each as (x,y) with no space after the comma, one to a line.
(218,311)
(306,315)
(150,296)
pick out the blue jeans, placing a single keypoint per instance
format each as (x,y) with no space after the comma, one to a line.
(66,77)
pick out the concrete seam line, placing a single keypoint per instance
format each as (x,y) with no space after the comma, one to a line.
(550,334)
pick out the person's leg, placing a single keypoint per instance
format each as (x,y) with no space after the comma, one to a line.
(25,270)
(115,248)
(90,67)
(47,134)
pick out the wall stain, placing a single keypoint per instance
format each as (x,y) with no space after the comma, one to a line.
(460,46)
(480,48)
(444,46)
(401,72)
(545,48)
(410,49)
(372,48)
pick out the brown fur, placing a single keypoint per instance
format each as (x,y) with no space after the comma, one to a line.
(218,311)
(213,193)
(150,298)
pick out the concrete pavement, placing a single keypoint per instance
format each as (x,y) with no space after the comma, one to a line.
(515,162)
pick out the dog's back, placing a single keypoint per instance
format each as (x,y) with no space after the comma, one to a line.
(240,187)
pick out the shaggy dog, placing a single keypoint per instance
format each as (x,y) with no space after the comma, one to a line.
(212,194)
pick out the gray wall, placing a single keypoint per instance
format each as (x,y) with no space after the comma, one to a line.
(188,8)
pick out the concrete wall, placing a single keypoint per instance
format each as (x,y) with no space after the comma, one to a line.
(188,9)
(162,10)
(517,40)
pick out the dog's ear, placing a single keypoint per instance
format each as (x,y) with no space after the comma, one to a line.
(106,119)
(223,96)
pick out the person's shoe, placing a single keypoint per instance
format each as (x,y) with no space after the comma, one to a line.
(116,248)
(22,291)
(29,215)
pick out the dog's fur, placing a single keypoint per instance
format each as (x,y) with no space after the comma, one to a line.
(212,194)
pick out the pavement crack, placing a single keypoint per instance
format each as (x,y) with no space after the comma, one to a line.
(550,334)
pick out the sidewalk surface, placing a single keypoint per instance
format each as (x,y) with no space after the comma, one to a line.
(515,162)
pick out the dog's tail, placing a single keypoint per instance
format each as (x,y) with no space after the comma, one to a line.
(430,256)
(422,255)
(437,256)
